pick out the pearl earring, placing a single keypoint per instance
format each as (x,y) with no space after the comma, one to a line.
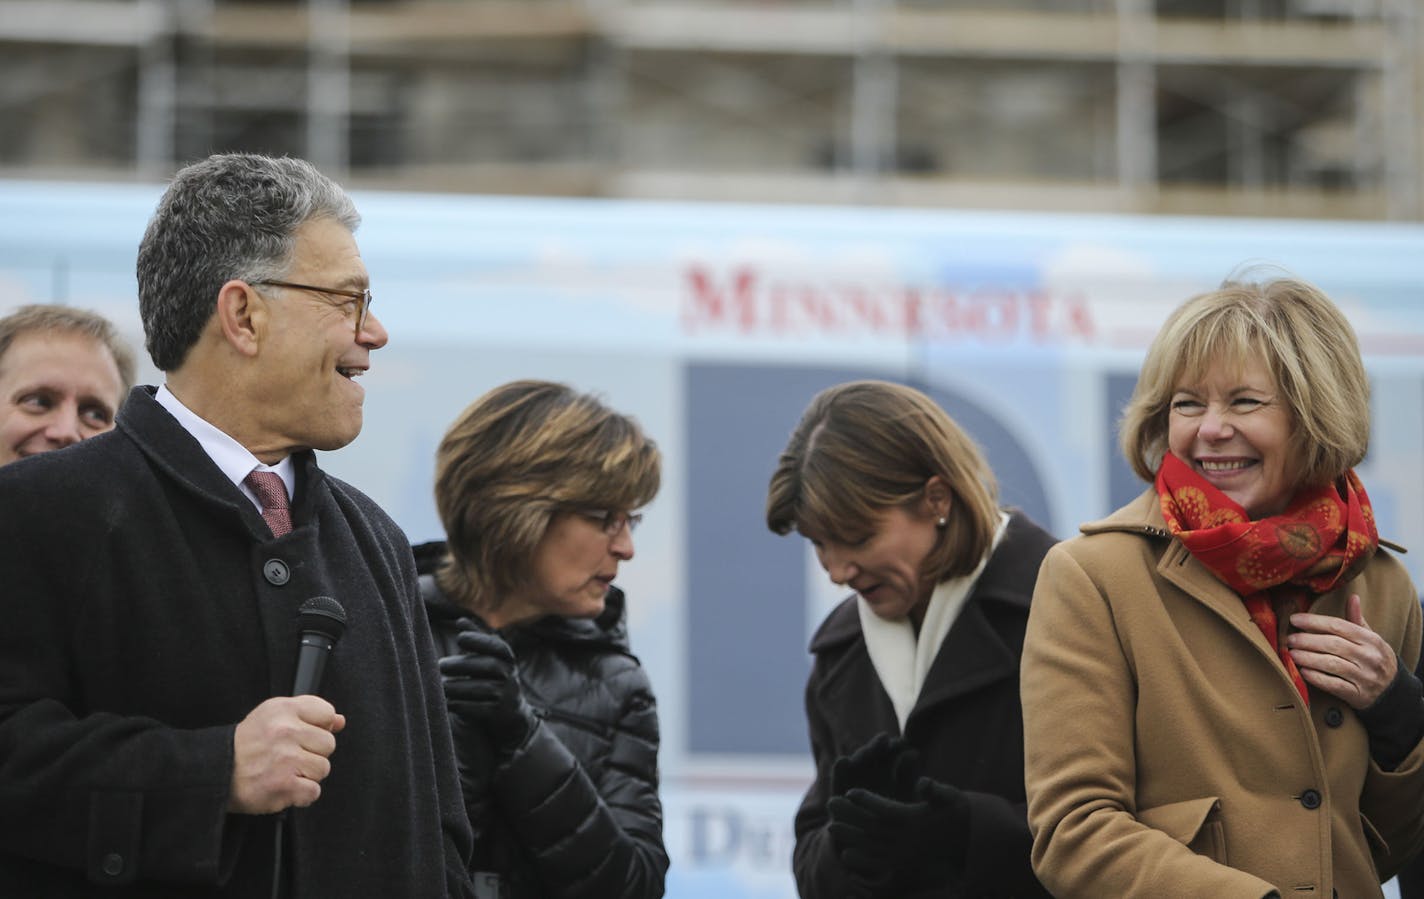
(942,522)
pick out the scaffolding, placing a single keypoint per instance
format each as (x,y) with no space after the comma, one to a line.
(1242,107)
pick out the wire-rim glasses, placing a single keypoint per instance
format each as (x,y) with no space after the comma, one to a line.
(362,298)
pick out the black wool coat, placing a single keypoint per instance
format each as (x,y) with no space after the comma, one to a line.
(574,813)
(966,724)
(147,609)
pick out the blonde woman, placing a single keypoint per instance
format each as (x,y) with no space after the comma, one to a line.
(1216,680)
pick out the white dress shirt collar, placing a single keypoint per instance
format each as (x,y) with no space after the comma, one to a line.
(231,457)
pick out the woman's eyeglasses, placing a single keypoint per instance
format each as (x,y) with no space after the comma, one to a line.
(611,522)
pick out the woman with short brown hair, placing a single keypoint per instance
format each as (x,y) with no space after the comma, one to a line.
(913,699)
(553,717)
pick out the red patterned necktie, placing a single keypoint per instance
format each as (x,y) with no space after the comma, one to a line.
(272,494)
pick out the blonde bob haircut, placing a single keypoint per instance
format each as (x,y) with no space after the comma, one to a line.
(865,447)
(516,457)
(1304,340)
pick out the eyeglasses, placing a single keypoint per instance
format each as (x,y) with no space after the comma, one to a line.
(610,522)
(361,299)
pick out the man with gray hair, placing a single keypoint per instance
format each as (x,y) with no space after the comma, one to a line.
(63,374)
(148,744)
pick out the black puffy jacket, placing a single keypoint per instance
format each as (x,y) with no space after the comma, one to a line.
(574,814)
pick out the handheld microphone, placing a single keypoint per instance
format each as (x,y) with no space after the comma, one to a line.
(323,622)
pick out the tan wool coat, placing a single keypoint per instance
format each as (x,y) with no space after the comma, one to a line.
(1167,752)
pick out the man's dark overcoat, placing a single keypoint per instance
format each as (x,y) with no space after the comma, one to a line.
(147,609)
(966,724)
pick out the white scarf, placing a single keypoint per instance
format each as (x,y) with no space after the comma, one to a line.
(901,662)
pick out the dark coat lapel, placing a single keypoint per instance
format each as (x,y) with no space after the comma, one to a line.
(973,655)
(179,456)
(977,650)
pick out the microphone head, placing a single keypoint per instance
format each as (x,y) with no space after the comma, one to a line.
(323,615)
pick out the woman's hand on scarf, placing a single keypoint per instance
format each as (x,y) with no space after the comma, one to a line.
(1342,656)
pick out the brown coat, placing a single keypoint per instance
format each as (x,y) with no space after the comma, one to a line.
(1169,754)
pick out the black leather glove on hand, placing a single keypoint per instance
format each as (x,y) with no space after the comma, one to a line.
(475,761)
(482,689)
(891,846)
(885,765)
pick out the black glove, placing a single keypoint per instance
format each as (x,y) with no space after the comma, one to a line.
(886,765)
(891,846)
(482,691)
(475,761)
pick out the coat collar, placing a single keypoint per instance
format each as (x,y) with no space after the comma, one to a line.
(975,652)
(1177,565)
(1004,580)
(608,628)
(973,655)
(1144,516)
(175,452)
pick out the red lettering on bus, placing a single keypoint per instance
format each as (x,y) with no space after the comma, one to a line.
(744,301)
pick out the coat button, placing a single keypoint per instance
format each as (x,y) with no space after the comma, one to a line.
(1334,717)
(276,572)
(113,864)
(1310,799)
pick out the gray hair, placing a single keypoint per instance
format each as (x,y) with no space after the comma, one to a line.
(229,216)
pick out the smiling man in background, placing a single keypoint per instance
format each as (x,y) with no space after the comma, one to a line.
(63,374)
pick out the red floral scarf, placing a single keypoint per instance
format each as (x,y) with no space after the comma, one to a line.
(1275,564)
